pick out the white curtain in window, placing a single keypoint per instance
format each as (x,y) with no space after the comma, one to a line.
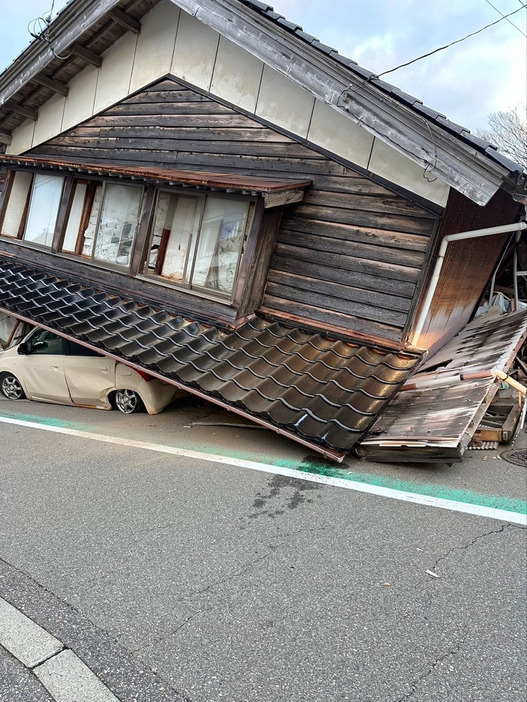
(74,220)
(117,224)
(220,243)
(16,203)
(43,209)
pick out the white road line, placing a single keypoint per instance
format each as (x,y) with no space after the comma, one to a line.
(349,484)
(24,639)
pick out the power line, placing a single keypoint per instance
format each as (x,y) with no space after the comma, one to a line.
(508,20)
(37,29)
(457,41)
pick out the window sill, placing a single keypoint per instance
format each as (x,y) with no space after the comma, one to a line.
(166,284)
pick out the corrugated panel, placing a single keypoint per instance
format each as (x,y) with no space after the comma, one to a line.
(437,418)
(320,390)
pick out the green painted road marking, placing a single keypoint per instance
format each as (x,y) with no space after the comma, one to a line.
(493,507)
(441,491)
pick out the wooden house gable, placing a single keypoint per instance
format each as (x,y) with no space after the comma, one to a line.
(349,256)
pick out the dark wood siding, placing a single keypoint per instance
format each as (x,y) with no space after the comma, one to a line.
(349,256)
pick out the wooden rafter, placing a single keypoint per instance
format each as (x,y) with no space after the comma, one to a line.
(23,110)
(125,20)
(86,54)
(55,85)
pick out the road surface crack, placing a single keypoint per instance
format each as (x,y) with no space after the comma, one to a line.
(415,684)
(477,538)
(233,576)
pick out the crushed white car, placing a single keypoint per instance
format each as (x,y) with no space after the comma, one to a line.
(48,368)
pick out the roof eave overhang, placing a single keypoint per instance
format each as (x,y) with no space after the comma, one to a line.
(443,155)
(70,24)
(273,191)
(424,142)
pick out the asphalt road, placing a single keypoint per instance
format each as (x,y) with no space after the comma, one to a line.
(177,578)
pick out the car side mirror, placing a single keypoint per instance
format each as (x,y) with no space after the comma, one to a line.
(39,346)
(23,348)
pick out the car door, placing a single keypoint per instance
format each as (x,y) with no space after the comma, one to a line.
(89,376)
(43,368)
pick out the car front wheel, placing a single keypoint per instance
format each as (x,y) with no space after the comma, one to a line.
(11,387)
(128,401)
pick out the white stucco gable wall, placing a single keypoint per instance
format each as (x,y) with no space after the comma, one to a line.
(172,41)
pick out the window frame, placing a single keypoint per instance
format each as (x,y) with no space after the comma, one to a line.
(194,242)
(84,222)
(248,255)
(28,210)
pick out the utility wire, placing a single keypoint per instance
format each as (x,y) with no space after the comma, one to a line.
(457,41)
(508,20)
(37,29)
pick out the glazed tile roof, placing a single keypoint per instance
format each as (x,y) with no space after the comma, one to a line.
(325,392)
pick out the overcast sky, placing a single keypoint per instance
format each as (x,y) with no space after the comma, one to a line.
(466,82)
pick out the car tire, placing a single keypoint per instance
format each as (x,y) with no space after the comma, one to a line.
(127,401)
(11,387)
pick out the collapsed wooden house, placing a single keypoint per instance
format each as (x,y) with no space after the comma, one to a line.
(201,189)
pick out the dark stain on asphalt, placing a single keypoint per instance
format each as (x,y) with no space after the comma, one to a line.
(285,493)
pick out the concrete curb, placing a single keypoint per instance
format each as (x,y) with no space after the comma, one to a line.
(62,655)
(59,669)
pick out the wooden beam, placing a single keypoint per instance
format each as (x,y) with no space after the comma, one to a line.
(284,198)
(125,20)
(19,109)
(86,54)
(55,85)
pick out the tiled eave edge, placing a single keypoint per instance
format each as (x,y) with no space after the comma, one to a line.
(326,452)
(422,141)
(326,400)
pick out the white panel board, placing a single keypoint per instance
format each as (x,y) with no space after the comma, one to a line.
(115,72)
(284,103)
(21,138)
(336,133)
(393,166)
(49,122)
(195,51)
(81,97)
(237,75)
(155,44)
